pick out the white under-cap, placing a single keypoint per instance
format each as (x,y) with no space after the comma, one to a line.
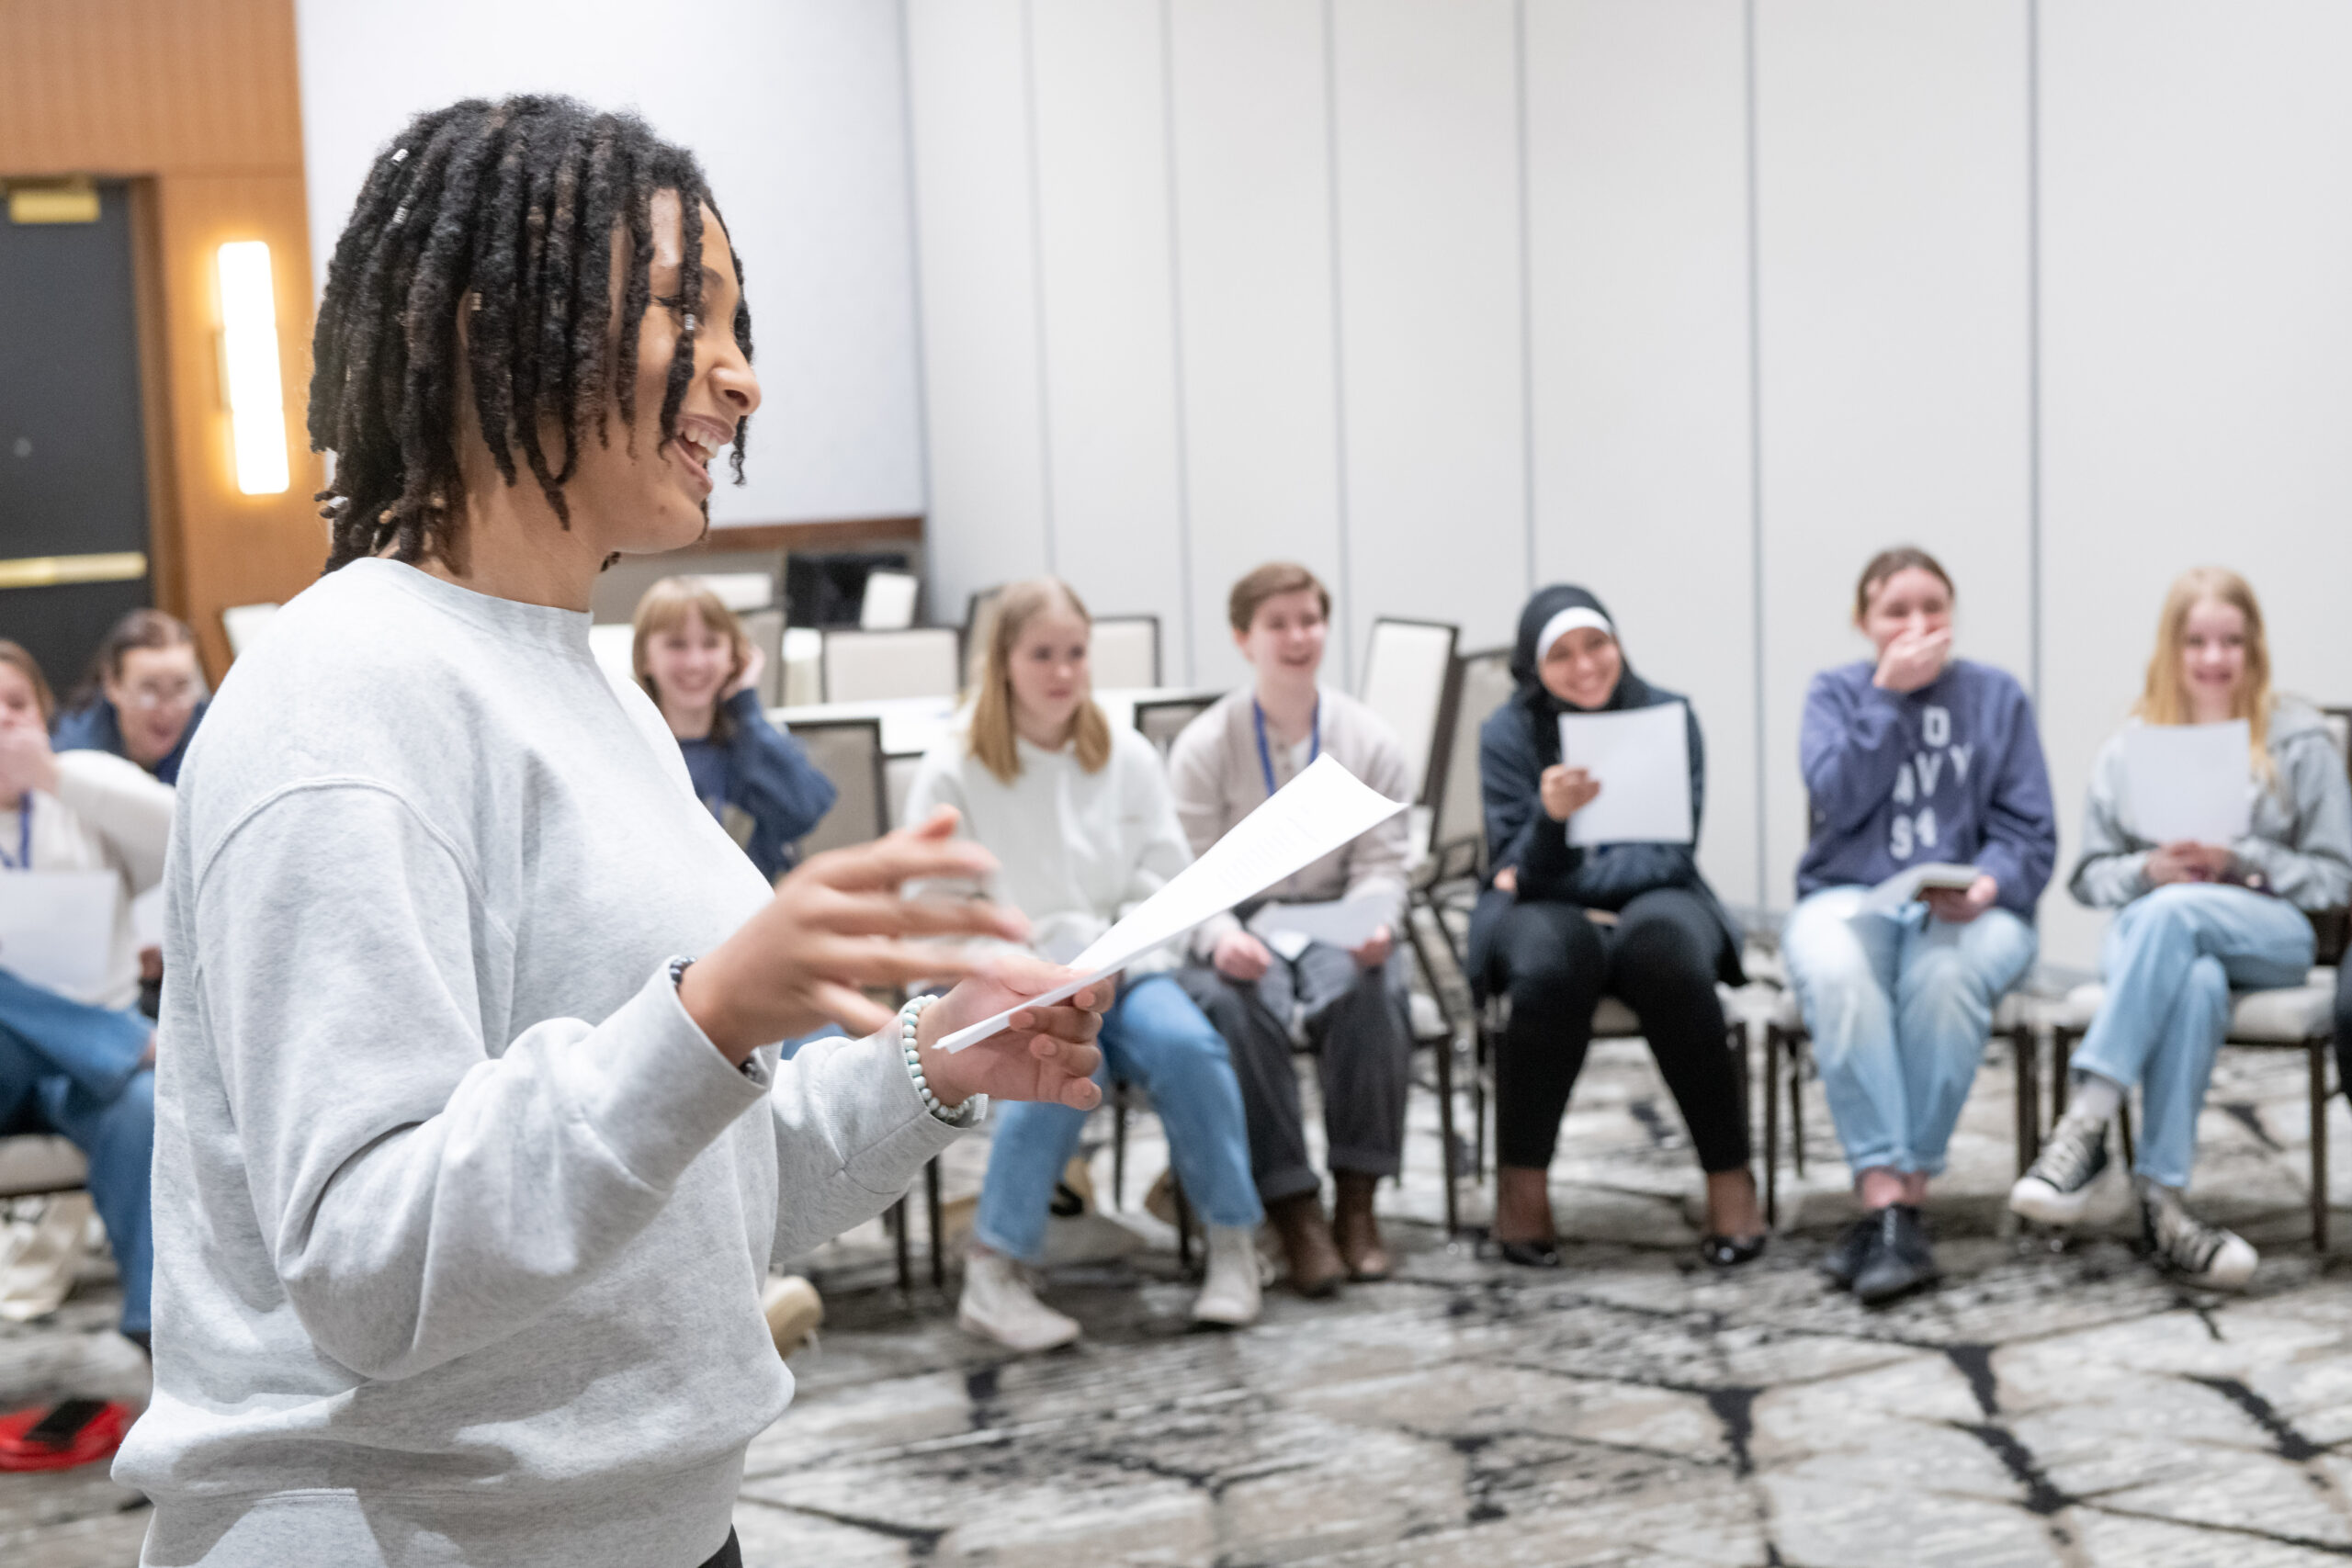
(1567,621)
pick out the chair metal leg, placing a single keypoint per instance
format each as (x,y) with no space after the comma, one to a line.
(931,1218)
(1796,1102)
(1484,1054)
(2317,1050)
(1184,1226)
(1771,1124)
(898,1241)
(1118,1152)
(2062,1070)
(2025,1048)
(1445,1133)
(2123,1126)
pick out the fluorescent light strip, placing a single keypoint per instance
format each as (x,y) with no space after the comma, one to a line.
(249,359)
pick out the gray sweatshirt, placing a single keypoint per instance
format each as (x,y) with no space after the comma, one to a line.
(2301,837)
(460,1223)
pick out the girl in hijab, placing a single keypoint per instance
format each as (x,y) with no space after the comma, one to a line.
(1561,926)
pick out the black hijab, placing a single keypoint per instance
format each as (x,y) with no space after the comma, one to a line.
(1526,662)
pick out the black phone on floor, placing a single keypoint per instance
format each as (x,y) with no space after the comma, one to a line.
(63,1423)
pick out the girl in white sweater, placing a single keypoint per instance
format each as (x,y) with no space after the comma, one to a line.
(79,1064)
(1080,819)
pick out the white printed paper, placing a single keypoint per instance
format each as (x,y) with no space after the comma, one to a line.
(1319,811)
(1641,758)
(1905,886)
(57,928)
(2189,781)
(1343,922)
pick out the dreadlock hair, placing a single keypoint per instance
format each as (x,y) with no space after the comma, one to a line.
(508,210)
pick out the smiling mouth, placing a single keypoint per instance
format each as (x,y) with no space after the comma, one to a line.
(697,444)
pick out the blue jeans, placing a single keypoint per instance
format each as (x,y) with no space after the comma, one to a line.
(2169,962)
(1155,1038)
(1899,1007)
(73,1069)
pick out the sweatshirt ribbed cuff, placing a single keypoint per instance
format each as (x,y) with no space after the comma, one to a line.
(664,1092)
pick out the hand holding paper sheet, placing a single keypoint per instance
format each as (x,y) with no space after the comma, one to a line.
(2189,781)
(1642,757)
(1343,922)
(57,928)
(1905,886)
(1308,818)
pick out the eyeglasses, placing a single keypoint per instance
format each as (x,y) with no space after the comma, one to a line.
(178,695)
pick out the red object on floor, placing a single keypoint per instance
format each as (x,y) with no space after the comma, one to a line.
(91,1443)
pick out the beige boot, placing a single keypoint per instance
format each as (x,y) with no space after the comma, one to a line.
(1315,1265)
(794,1311)
(1355,1229)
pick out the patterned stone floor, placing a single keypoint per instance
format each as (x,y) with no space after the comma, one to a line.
(2046,1405)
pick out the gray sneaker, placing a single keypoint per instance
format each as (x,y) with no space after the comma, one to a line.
(1900,1259)
(2057,1188)
(2202,1255)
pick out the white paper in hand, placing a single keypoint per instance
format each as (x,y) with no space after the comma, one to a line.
(1316,813)
(57,928)
(1905,886)
(1642,757)
(2189,781)
(1343,922)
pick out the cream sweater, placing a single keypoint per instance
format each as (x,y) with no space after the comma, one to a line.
(107,815)
(1076,850)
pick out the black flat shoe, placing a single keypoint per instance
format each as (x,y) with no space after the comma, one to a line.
(1845,1257)
(1731,1251)
(1901,1260)
(1531,1254)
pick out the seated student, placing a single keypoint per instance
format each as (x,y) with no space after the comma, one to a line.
(2195,919)
(80,1065)
(1351,1002)
(142,698)
(1535,938)
(1078,816)
(1914,758)
(692,658)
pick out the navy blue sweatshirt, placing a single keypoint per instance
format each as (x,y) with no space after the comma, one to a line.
(763,772)
(1952,771)
(95,726)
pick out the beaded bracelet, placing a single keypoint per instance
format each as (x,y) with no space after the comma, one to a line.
(966,1115)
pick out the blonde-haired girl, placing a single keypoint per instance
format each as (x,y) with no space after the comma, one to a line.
(2195,919)
(692,658)
(1080,819)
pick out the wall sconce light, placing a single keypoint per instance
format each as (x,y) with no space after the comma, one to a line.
(249,369)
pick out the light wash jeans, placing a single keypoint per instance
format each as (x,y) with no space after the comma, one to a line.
(73,1069)
(2169,962)
(1899,1007)
(1155,1038)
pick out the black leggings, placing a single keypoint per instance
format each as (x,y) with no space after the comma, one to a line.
(1659,959)
(727,1556)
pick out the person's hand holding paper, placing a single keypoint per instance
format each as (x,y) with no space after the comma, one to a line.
(2189,789)
(1310,816)
(1640,759)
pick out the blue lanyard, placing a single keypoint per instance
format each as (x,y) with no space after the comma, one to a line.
(1266,758)
(24,861)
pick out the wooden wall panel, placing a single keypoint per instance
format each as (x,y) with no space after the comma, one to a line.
(200,101)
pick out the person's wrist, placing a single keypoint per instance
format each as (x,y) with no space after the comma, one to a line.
(943,1070)
(707,1001)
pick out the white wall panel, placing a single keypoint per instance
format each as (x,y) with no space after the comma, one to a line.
(2196,383)
(1892,190)
(798,111)
(1254,278)
(1429,338)
(1105,251)
(968,78)
(1636,144)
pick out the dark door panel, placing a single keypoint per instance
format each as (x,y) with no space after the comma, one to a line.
(73,459)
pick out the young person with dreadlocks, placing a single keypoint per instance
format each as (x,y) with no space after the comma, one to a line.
(468,1171)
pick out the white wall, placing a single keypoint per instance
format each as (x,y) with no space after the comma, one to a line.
(1697,303)
(798,111)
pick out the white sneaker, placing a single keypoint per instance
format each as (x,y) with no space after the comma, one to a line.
(1229,1296)
(998,1303)
(2057,1188)
(2209,1255)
